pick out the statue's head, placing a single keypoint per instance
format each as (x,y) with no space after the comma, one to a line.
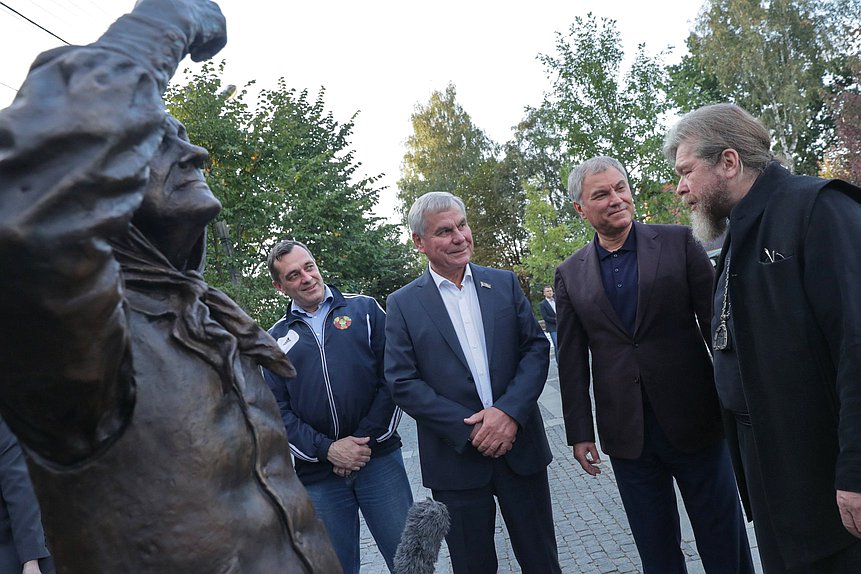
(177,202)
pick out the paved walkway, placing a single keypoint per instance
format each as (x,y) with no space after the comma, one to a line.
(592,531)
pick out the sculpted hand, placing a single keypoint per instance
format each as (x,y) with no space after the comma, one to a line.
(493,432)
(350,453)
(201,20)
(588,457)
(849,504)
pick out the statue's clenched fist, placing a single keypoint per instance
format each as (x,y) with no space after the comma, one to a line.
(201,20)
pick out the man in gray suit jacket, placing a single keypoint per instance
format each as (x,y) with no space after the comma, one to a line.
(638,298)
(466,358)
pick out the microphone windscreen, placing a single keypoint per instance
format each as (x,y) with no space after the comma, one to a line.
(427,524)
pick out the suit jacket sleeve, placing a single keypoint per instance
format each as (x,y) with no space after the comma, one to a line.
(382,418)
(700,282)
(521,393)
(574,376)
(19,499)
(443,416)
(831,279)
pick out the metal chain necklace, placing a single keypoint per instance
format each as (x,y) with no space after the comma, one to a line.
(721,340)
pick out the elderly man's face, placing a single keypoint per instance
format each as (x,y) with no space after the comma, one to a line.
(447,242)
(176,193)
(606,202)
(704,189)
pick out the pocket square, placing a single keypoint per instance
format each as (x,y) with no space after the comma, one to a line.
(772,255)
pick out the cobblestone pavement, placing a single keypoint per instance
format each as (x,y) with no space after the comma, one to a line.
(592,531)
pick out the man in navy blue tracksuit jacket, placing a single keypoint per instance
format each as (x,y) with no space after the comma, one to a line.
(339,414)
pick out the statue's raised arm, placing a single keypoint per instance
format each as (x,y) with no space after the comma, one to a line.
(155,445)
(75,147)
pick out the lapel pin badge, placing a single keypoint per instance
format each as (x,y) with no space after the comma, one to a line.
(485,285)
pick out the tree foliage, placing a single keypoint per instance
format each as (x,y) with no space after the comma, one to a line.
(844,157)
(447,152)
(495,202)
(793,63)
(445,147)
(551,239)
(285,170)
(596,108)
(770,57)
(592,108)
(539,149)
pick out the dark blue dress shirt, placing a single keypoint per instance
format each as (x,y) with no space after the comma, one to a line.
(619,273)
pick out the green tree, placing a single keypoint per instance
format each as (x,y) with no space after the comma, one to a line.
(285,170)
(447,152)
(444,148)
(538,148)
(843,159)
(596,109)
(771,58)
(495,202)
(592,108)
(551,239)
(691,84)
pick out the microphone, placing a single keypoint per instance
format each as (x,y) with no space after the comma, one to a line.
(427,524)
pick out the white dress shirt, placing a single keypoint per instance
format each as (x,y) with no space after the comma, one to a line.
(465,314)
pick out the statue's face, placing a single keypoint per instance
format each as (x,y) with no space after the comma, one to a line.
(177,193)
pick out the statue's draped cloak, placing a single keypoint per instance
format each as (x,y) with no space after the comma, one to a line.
(200,479)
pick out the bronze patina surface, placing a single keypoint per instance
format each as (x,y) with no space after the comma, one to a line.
(154,443)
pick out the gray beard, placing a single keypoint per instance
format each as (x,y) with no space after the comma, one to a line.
(707,228)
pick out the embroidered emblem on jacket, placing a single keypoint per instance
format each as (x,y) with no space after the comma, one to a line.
(342,322)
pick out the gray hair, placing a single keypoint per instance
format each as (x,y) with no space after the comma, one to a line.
(283,248)
(712,129)
(598,164)
(432,202)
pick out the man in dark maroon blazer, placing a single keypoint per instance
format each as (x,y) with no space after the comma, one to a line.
(638,297)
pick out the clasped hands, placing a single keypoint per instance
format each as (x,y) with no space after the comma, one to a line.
(349,455)
(493,432)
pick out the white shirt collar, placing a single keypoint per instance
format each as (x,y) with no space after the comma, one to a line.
(440,280)
(328,297)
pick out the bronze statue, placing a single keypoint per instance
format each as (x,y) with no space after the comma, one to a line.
(154,444)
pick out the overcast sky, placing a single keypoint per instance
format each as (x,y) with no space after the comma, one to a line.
(378,58)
